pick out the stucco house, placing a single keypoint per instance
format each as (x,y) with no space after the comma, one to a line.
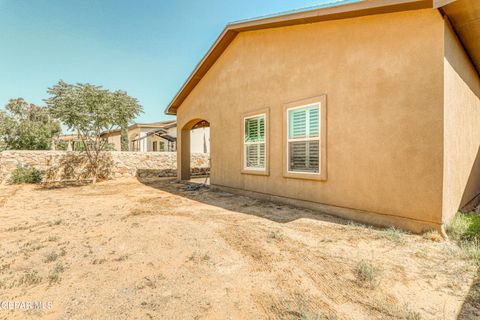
(159,137)
(367,110)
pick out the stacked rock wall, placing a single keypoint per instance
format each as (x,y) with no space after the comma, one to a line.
(71,165)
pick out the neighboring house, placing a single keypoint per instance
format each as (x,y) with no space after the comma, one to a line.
(368,110)
(158,137)
(71,140)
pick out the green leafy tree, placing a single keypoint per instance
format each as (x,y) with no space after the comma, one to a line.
(91,110)
(26,126)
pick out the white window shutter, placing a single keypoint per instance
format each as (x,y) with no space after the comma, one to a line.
(303,139)
(254,142)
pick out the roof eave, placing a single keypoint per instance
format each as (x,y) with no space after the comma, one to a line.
(224,39)
(335,12)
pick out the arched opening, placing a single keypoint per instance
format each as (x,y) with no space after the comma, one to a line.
(195,138)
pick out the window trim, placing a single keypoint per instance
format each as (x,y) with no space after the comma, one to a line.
(322,174)
(256,171)
(315,104)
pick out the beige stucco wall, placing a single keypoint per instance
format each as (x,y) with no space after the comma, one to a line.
(462,127)
(114,139)
(385,118)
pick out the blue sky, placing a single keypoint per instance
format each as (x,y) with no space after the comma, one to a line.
(145,47)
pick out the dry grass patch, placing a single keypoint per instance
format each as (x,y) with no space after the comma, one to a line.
(196,257)
(54,275)
(123,257)
(393,234)
(400,312)
(275,235)
(29,278)
(367,274)
(52,239)
(99,261)
(56,222)
(432,235)
(50,257)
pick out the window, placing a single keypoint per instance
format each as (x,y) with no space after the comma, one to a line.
(154,146)
(162,146)
(255,142)
(304,141)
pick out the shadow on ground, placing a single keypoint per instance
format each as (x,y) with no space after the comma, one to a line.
(64,184)
(471,306)
(280,213)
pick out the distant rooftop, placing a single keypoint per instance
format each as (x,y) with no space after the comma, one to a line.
(156,125)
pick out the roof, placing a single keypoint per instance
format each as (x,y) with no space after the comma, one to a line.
(160,124)
(153,125)
(464,15)
(162,133)
(68,137)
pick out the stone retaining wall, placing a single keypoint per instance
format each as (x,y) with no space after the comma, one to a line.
(71,165)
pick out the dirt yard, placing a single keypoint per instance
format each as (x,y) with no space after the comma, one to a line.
(127,249)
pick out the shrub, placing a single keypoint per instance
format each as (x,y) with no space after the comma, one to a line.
(26,174)
(61,145)
(465,227)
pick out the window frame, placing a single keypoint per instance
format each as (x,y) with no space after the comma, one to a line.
(256,171)
(321,101)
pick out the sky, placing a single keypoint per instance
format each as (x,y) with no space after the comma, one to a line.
(145,47)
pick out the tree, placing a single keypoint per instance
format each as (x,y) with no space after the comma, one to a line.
(26,126)
(124,103)
(91,110)
(124,137)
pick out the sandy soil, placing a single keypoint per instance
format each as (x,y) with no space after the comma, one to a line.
(137,250)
